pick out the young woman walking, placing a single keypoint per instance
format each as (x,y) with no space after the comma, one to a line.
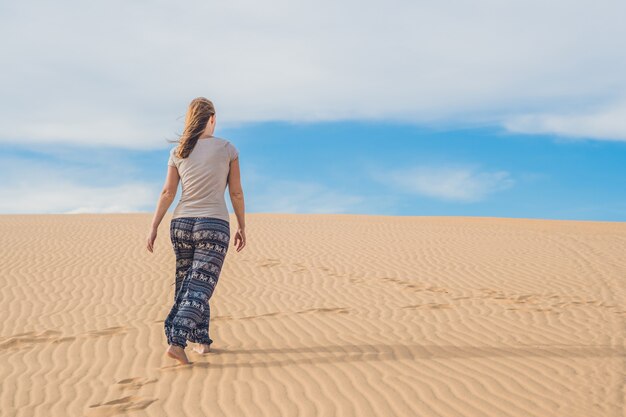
(200,225)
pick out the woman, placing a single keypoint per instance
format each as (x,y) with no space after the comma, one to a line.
(200,227)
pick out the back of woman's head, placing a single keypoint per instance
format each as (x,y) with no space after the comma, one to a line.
(199,112)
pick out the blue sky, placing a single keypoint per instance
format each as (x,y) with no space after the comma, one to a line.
(464,108)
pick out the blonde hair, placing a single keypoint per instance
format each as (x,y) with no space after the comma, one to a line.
(199,112)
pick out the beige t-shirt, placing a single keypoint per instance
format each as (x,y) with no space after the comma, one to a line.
(204,175)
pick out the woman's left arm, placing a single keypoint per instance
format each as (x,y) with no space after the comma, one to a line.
(165,201)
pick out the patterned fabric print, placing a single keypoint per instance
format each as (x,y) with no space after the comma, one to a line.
(200,245)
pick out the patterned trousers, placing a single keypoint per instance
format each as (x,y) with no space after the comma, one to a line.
(200,245)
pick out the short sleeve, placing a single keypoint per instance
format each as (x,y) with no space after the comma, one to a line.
(233,153)
(170,161)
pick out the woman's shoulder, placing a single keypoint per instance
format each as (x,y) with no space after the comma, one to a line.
(231,149)
(223,140)
(227,144)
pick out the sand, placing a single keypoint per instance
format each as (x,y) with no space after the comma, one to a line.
(320,315)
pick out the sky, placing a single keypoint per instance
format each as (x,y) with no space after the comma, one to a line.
(463,108)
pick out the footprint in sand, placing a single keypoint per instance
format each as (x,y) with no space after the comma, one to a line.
(120,405)
(106,332)
(259,315)
(553,303)
(227,317)
(300,267)
(417,287)
(28,339)
(430,306)
(134,383)
(267,263)
(356,279)
(341,310)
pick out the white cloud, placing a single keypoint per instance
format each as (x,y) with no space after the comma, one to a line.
(69,197)
(289,196)
(32,186)
(456,184)
(607,123)
(122,73)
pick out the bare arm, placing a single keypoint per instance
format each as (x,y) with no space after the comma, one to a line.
(236,197)
(165,201)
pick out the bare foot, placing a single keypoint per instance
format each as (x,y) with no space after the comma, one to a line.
(177,353)
(202,348)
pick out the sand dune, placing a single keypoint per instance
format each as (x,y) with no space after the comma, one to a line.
(320,315)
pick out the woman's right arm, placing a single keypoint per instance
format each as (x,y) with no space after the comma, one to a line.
(236,197)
